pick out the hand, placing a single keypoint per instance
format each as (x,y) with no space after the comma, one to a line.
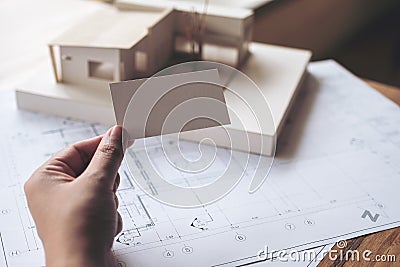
(73,203)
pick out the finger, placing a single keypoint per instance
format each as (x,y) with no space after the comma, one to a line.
(116,183)
(119,224)
(74,159)
(107,158)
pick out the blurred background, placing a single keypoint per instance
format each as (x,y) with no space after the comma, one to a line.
(364,36)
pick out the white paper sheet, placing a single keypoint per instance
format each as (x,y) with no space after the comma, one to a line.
(336,176)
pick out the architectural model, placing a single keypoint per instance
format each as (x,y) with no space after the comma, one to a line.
(114,45)
(135,39)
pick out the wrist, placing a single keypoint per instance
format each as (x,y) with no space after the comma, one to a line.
(65,258)
(75,261)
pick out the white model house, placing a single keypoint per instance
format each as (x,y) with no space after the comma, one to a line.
(223,26)
(112,46)
(115,45)
(140,37)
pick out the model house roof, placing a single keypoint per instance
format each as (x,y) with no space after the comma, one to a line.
(111,28)
(223,10)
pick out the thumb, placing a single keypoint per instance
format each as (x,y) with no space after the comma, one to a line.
(107,158)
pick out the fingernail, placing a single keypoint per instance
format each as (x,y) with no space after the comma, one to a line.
(116,132)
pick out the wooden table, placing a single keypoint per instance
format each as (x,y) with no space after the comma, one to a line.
(381,243)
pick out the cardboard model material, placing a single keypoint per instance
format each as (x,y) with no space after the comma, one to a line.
(278,72)
(170,104)
(187,6)
(224,26)
(103,48)
(41,94)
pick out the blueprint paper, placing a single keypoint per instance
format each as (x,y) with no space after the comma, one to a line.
(336,176)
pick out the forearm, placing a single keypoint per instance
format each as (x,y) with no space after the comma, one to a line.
(61,257)
(73,260)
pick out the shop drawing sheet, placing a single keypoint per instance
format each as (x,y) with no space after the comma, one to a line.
(335,176)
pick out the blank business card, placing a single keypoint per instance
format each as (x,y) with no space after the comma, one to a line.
(170,104)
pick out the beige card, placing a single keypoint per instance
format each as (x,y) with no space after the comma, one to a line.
(170,104)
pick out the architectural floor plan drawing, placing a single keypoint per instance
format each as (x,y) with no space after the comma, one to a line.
(335,176)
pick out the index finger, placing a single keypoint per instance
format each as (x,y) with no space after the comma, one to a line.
(74,159)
